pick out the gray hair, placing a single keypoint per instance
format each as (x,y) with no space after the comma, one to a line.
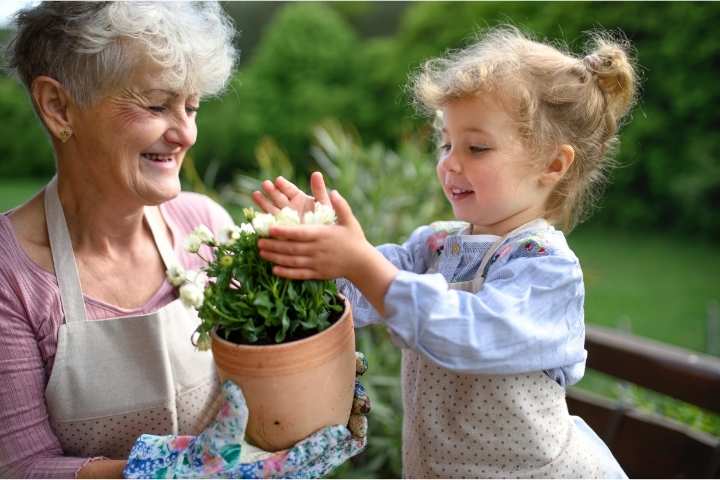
(91,47)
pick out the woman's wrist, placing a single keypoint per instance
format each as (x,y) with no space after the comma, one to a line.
(102,468)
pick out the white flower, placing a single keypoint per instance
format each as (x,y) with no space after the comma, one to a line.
(199,278)
(203,233)
(229,235)
(192,295)
(287,216)
(247,229)
(193,243)
(323,215)
(262,223)
(176,275)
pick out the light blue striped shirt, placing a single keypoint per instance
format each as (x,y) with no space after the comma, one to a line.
(527,317)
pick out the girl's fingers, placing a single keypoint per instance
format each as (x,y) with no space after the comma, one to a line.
(263,203)
(282,246)
(342,208)
(300,233)
(295,261)
(279,199)
(317,185)
(287,188)
(297,273)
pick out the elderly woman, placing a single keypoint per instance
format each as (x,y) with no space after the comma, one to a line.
(117,86)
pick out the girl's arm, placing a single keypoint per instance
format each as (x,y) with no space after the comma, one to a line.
(527,317)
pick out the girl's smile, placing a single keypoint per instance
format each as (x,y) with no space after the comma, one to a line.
(485,169)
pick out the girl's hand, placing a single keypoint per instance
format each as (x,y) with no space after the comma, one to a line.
(318,251)
(305,252)
(284,193)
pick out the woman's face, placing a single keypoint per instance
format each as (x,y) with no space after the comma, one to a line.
(131,144)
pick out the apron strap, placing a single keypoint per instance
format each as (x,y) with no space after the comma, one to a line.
(66,272)
(154,219)
(479,279)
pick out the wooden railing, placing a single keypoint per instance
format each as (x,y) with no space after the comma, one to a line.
(647,445)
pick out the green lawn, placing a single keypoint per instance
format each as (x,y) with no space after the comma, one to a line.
(16,191)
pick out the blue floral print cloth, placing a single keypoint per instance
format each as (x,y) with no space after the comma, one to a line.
(221,452)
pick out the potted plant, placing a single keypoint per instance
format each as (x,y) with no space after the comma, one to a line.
(288,344)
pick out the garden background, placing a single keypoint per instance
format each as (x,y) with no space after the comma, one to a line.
(321,86)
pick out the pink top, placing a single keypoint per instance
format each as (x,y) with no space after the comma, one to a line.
(30,316)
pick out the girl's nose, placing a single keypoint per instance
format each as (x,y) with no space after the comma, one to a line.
(450,162)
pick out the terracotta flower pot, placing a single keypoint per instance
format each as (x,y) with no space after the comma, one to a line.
(293,389)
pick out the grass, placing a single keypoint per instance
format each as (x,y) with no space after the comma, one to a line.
(15,192)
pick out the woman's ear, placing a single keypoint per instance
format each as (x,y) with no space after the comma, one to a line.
(558,166)
(52,102)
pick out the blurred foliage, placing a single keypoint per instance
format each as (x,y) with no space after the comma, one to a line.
(315,61)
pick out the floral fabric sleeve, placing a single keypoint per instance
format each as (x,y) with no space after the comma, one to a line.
(415,255)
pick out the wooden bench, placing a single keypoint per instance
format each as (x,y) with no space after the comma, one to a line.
(647,445)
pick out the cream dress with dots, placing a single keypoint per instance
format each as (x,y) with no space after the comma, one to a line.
(492,426)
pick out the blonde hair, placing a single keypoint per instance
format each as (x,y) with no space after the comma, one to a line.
(558,98)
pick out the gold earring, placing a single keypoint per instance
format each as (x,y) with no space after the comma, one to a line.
(65,134)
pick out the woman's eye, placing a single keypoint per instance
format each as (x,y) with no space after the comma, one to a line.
(156,109)
(190,109)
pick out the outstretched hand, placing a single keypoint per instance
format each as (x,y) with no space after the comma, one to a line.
(283,193)
(318,251)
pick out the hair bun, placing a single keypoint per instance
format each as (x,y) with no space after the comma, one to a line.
(615,74)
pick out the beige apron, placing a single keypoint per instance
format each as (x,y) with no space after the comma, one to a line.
(116,379)
(472,426)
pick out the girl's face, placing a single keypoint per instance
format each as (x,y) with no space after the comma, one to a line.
(131,144)
(485,169)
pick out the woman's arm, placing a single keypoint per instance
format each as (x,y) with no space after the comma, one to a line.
(28,446)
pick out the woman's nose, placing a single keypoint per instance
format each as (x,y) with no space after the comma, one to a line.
(183,132)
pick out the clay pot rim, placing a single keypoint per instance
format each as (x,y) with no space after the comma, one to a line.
(287,345)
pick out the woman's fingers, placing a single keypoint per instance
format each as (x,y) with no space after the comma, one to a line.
(319,190)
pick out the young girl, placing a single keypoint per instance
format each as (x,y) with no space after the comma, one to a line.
(488,310)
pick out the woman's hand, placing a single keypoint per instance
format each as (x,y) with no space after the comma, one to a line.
(283,193)
(220,451)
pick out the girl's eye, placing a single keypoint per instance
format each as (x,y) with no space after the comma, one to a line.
(444,148)
(190,109)
(478,148)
